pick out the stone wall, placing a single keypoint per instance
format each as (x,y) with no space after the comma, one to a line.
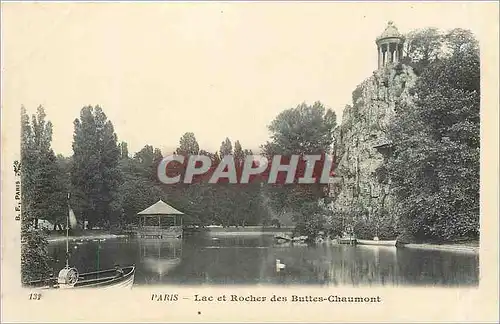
(361,145)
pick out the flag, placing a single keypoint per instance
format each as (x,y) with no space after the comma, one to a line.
(72,219)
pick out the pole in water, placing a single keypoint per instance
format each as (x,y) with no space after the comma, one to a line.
(98,256)
(67,235)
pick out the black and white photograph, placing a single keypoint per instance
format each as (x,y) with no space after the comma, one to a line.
(285,145)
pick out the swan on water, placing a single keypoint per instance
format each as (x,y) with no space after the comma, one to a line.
(279,265)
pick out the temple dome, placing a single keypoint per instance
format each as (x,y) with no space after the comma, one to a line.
(390,32)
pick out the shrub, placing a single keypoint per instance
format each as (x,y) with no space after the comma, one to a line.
(34,255)
(275,222)
(356,94)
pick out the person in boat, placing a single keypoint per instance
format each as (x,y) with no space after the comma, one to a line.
(119,271)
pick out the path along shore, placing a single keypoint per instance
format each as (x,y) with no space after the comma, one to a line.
(445,247)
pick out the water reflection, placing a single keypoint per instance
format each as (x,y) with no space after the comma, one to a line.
(92,255)
(231,259)
(158,258)
(339,265)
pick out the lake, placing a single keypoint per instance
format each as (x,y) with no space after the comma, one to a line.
(226,258)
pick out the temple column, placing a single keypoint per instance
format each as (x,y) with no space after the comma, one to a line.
(385,54)
(380,57)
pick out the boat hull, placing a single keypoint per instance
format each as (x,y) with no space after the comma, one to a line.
(282,239)
(98,279)
(107,279)
(377,243)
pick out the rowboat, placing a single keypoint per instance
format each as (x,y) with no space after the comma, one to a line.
(377,242)
(70,278)
(281,239)
(347,240)
(119,277)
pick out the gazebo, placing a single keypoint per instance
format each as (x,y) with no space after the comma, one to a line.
(160,221)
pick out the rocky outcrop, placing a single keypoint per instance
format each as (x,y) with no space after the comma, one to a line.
(361,145)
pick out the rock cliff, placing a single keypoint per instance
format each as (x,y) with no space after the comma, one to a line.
(361,194)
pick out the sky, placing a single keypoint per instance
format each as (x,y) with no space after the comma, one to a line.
(218,70)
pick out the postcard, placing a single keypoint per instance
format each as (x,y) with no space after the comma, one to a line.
(250,161)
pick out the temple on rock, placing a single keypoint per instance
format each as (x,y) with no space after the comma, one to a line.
(389,46)
(362,146)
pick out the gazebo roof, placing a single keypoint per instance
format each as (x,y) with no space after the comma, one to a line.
(160,208)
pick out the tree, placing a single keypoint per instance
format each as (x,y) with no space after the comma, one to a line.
(461,41)
(43,185)
(63,180)
(123,150)
(148,158)
(239,154)
(226,148)
(424,45)
(140,187)
(41,192)
(137,193)
(95,172)
(301,130)
(435,166)
(245,198)
(214,157)
(188,145)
